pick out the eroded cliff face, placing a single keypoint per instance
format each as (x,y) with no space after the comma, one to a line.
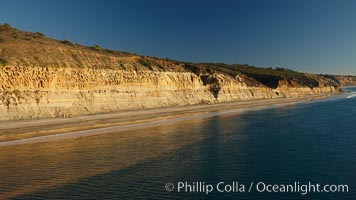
(42,77)
(38,92)
(347,80)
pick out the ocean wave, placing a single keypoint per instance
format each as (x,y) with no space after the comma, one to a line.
(353,95)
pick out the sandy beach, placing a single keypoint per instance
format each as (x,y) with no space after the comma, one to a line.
(41,130)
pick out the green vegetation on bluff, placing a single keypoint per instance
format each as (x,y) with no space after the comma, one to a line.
(35,49)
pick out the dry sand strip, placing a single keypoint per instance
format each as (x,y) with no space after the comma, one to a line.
(59,128)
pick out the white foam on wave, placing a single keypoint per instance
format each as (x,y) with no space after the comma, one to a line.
(351,96)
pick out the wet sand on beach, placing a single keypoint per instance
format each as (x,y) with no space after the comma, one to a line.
(41,130)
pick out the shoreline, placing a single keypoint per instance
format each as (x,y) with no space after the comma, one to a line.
(18,132)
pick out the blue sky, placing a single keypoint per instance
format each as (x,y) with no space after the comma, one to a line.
(316,36)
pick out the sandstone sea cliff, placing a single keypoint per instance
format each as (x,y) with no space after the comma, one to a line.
(42,77)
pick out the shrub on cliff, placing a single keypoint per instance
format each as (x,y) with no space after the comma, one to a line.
(39,35)
(96,48)
(5,27)
(2,62)
(67,42)
(109,50)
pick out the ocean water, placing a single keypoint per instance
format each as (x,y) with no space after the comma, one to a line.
(292,145)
